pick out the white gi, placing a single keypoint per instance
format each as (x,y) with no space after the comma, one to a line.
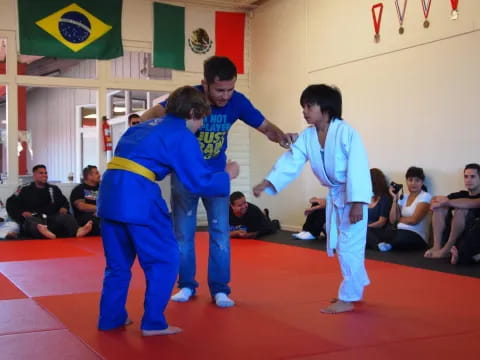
(342,167)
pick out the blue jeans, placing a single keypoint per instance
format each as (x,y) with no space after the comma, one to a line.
(184,214)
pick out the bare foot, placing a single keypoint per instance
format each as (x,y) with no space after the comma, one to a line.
(338,307)
(11,235)
(454,258)
(430,252)
(85,229)
(42,229)
(440,254)
(168,331)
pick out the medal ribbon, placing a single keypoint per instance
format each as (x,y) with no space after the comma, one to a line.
(377,21)
(401,14)
(454,4)
(426,7)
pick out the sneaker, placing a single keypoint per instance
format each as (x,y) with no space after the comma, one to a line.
(383,246)
(305,235)
(222,300)
(299,235)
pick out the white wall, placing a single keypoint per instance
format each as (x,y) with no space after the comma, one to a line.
(413,97)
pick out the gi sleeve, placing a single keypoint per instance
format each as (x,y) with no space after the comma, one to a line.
(288,166)
(193,171)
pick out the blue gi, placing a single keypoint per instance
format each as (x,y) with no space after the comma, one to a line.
(135,218)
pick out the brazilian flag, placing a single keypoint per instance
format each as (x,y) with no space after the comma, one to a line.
(80,29)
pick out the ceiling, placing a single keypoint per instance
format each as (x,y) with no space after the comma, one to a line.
(231,3)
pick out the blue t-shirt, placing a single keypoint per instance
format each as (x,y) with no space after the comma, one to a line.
(213,134)
(381,209)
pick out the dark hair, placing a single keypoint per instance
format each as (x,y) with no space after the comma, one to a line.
(132,116)
(417,172)
(185,99)
(235,196)
(39,166)
(219,66)
(473,166)
(379,182)
(86,170)
(329,98)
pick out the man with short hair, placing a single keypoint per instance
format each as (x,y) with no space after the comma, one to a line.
(247,221)
(133,119)
(42,209)
(227,105)
(84,199)
(450,214)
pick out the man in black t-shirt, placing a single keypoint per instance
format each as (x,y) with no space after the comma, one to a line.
(42,209)
(247,221)
(453,213)
(84,199)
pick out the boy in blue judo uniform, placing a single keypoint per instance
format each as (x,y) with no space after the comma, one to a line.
(130,202)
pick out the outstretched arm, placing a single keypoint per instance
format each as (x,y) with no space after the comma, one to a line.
(154,112)
(273,133)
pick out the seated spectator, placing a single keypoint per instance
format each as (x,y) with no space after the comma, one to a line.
(378,210)
(42,209)
(84,199)
(468,249)
(8,229)
(409,212)
(247,221)
(450,217)
(315,221)
(133,119)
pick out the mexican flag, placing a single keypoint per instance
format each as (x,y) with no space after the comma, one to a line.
(185,36)
(81,29)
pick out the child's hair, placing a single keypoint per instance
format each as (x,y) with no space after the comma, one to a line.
(327,97)
(186,99)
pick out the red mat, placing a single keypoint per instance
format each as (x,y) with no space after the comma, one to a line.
(407,313)
(62,276)
(9,290)
(17,250)
(47,345)
(25,315)
(209,332)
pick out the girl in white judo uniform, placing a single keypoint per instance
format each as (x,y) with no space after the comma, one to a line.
(134,217)
(339,161)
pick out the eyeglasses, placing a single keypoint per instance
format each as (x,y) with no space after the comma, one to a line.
(135,122)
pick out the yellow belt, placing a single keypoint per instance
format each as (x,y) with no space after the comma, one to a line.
(120,163)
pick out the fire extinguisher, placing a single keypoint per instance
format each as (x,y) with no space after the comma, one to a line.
(107,135)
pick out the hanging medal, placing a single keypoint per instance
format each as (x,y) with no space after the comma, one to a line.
(426,10)
(454,13)
(377,20)
(401,15)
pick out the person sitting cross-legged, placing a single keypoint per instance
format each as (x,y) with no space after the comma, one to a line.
(42,209)
(84,199)
(315,222)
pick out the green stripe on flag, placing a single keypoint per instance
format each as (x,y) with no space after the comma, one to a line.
(169,36)
(81,29)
